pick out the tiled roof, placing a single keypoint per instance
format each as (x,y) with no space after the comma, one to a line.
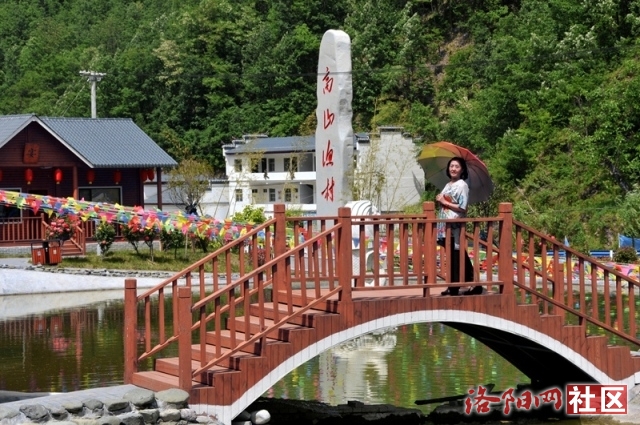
(100,142)
(273,145)
(280,144)
(10,125)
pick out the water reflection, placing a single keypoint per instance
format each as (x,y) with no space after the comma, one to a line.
(64,350)
(76,348)
(399,366)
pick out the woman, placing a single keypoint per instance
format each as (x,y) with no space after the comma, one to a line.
(453,201)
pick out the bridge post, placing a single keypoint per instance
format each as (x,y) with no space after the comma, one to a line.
(130,329)
(279,245)
(184,338)
(505,263)
(343,253)
(429,211)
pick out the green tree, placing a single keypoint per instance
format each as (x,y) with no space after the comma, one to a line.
(188,183)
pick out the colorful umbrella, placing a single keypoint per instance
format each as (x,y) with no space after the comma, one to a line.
(434,158)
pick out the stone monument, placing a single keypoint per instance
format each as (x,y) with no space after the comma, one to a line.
(334,134)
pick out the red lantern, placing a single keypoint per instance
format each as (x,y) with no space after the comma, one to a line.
(150,174)
(0,175)
(91,176)
(117,176)
(28,175)
(143,174)
(57,175)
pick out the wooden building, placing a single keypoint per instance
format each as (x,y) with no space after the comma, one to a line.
(95,159)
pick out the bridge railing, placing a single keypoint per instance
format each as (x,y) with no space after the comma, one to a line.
(302,262)
(598,296)
(403,250)
(267,269)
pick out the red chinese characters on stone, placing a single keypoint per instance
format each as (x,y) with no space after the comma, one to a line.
(328,118)
(328,82)
(327,193)
(327,155)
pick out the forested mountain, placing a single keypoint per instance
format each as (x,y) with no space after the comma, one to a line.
(546,91)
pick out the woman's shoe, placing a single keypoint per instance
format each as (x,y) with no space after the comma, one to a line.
(475,291)
(447,292)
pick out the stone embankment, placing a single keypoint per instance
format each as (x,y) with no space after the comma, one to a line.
(136,407)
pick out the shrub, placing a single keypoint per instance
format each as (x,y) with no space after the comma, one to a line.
(132,232)
(250,214)
(105,235)
(173,239)
(62,227)
(625,255)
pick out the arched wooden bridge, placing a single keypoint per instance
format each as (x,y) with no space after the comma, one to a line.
(239,331)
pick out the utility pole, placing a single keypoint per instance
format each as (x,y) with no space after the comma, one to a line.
(93,77)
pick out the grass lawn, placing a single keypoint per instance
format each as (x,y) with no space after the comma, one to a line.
(130,260)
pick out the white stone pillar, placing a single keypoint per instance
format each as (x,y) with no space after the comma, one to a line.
(334,134)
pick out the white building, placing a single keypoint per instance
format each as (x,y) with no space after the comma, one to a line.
(214,203)
(263,171)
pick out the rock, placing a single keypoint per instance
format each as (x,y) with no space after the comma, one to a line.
(203,419)
(150,416)
(170,415)
(117,406)
(59,413)
(140,397)
(35,412)
(7,414)
(73,407)
(260,417)
(93,405)
(109,420)
(134,418)
(173,398)
(188,415)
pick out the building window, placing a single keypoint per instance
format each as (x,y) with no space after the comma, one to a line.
(111,195)
(294,164)
(291,164)
(272,195)
(272,164)
(287,195)
(255,165)
(238,195)
(9,213)
(237,165)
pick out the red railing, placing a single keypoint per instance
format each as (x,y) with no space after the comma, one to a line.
(388,252)
(16,230)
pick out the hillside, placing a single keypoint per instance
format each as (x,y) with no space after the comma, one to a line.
(545,92)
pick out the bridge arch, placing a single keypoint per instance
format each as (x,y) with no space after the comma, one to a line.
(570,365)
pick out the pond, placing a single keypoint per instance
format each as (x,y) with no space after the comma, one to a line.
(76,347)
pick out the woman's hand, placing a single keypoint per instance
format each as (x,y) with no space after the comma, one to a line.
(443,200)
